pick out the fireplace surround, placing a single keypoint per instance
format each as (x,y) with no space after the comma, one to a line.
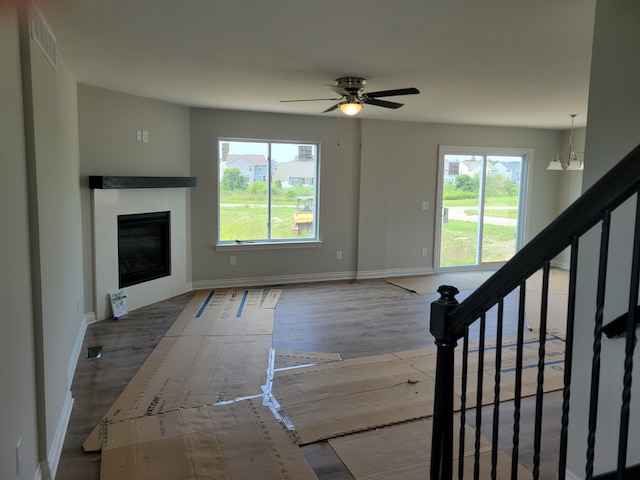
(130,198)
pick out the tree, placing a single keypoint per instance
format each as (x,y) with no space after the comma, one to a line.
(500,186)
(466,183)
(258,188)
(232,180)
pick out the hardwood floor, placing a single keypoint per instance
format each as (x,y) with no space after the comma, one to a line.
(352,318)
(126,343)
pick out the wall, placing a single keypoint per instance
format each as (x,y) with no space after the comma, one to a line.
(42,327)
(17,368)
(339,180)
(612,131)
(108,122)
(369,204)
(569,185)
(400,170)
(58,230)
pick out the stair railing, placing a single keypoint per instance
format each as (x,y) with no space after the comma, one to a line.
(450,322)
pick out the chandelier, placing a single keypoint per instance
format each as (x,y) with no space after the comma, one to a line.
(562,161)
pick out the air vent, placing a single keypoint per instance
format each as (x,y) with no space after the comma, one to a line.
(43,36)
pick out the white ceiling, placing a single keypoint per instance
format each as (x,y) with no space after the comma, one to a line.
(478,62)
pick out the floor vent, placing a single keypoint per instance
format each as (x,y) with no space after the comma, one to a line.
(43,36)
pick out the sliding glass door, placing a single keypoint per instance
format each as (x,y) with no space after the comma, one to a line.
(480,201)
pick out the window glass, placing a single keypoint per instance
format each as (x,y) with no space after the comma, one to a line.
(267,191)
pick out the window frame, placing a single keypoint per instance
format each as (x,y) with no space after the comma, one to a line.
(270,243)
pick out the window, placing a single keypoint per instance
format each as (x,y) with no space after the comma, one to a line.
(267,192)
(481,194)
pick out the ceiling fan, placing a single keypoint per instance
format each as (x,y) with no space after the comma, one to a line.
(352,96)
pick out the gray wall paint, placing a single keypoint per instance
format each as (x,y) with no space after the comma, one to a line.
(400,169)
(17,369)
(41,261)
(570,185)
(612,131)
(59,326)
(108,122)
(370,204)
(339,178)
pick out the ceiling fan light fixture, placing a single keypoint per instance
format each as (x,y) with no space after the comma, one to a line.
(350,107)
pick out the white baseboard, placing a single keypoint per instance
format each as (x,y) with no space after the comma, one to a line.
(561,264)
(395,272)
(371,274)
(61,431)
(571,476)
(43,472)
(308,278)
(90,318)
(75,353)
(274,280)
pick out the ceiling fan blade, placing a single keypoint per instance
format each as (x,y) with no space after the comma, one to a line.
(309,100)
(332,108)
(392,93)
(382,103)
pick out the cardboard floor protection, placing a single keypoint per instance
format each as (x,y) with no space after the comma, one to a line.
(295,358)
(403,452)
(557,301)
(333,399)
(553,370)
(239,441)
(230,312)
(217,350)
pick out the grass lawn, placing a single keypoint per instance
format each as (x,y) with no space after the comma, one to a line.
(459,239)
(495,212)
(511,201)
(249,222)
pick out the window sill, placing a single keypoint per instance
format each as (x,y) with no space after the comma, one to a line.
(266,245)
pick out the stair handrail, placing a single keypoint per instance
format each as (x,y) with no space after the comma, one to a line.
(610,191)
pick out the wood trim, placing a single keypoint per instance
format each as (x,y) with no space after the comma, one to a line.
(112,182)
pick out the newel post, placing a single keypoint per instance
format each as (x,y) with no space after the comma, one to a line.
(442,435)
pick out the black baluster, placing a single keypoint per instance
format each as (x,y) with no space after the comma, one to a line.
(517,395)
(597,344)
(442,434)
(496,392)
(568,359)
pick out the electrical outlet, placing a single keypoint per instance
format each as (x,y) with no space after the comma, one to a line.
(338,254)
(145,136)
(425,205)
(232,259)
(424,252)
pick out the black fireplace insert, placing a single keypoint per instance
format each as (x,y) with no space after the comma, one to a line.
(144,247)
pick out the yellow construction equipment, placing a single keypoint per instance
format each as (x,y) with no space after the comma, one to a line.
(303,216)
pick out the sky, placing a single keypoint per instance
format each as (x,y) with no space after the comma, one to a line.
(282,152)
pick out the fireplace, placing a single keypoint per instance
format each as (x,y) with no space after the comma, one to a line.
(114,197)
(144,247)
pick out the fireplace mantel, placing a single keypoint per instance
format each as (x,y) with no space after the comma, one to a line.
(111,182)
